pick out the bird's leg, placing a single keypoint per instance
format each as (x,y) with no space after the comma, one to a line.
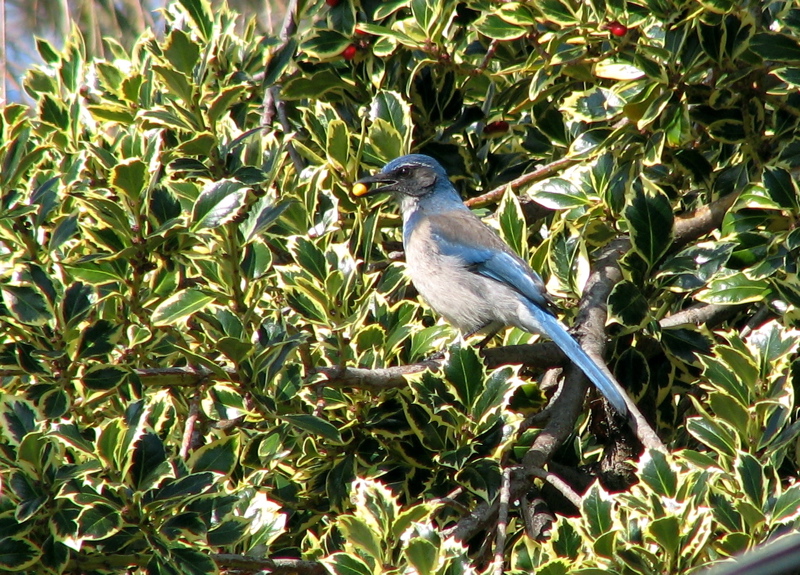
(492,332)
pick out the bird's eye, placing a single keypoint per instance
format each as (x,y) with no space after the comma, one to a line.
(404,171)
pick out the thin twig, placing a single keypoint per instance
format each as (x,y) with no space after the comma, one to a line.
(230,561)
(558,483)
(191,421)
(538,174)
(487,58)
(502,523)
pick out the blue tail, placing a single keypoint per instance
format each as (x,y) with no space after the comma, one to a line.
(600,376)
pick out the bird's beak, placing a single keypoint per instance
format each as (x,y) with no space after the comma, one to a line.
(361,187)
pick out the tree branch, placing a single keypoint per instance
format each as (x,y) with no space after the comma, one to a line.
(120,563)
(558,483)
(271,566)
(502,523)
(702,221)
(538,174)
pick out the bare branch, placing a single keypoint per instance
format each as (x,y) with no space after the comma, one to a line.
(502,523)
(558,483)
(538,174)
(709,314)
(702,221)
(374,379)
(271,566)
(191,421)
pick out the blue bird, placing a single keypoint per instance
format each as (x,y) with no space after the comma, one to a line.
(465,271)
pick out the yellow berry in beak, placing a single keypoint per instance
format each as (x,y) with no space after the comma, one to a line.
(359,189)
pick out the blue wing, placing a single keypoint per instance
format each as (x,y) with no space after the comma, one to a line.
(462,235)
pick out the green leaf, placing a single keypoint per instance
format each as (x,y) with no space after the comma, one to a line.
(338,144)
(148,463)
(262,215)
(728,131)
(376,30)
(179,306)
(628,306)
(734,289)
(181,51)
(28,491)
(103,378)
(218,203)
(481,477)
(128,177)
(786,507)
(390,106)
(617,70)
(386,142)
(224,101)
(314,85)
(714,434)
(781,187)
(650,219)
(162,118)
(657,472)
(97,339)
(596,510)
(465,372)
(751,478)
(54,113)
(376,504)
(177,85)
(356,531)
(495,394)
(200,13)
(347,564)
(64,231)
(229,532)
(185,487)
(315,425)
(309,257)
(666,532)
(17,554)
(26,304)
(46,50)
(722,376)
(95,272)
(776,47)
(594,105)
(557,12)
(513,228)
(422,555)
(495,27)
(219,456)
(193,561)
(327,44)
(427,14)
(76,303)
(98,521)
(559,194)
(590,142)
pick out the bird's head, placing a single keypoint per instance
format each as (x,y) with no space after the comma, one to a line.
(413,176)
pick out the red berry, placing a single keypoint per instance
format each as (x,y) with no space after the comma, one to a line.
(360,32)
(498,127)
(333,3)
(616,28)
(350,52)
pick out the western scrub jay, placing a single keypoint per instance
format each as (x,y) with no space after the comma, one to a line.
(465,271)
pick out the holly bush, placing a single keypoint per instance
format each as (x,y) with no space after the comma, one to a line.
(211,359)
